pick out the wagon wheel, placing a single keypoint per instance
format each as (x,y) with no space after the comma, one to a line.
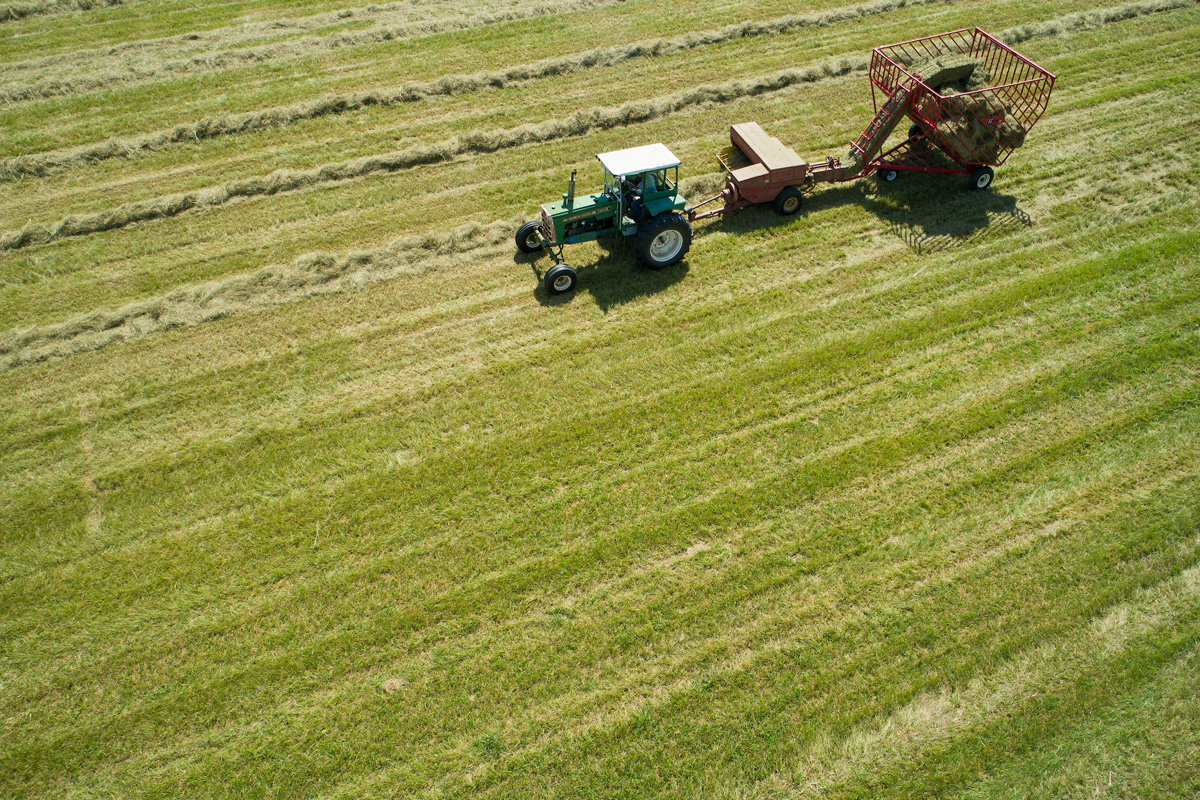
(888,175)
(788,201)
(981,178)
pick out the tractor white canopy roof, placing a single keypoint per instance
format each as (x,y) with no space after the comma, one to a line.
(636,160)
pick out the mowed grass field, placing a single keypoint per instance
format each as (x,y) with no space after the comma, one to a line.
(308,488)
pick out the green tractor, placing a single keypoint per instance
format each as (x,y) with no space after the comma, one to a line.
(640,200)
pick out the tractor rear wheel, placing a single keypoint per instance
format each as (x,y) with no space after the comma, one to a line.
(528,239)
(981,178)
(788,201)
(663,240)
(560,279)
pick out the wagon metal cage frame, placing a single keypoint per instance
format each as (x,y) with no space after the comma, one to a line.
(1018,83)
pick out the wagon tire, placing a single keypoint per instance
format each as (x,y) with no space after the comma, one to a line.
(914,131)
(981,178)
(888,175)
(560,279)
(788,201)
(528,240)
(663,241)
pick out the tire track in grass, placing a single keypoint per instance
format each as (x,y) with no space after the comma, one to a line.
(749,635)
(483,142)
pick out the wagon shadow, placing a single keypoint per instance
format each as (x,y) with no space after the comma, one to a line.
(932,213)
(929,213)
(612,279)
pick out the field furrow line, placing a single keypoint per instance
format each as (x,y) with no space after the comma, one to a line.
(230,59)
(46,163)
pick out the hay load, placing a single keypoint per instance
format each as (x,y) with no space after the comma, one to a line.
(974,122)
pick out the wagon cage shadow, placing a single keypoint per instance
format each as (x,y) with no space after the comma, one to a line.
(931,214)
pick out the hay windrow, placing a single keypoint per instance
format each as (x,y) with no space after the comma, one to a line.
(308,275)
(145,51)
(482,142)
(15,11)
(40,164)
(99,79)
(50,162)
(479,142)
(1085,20)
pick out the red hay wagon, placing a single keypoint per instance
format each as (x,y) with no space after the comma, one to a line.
(971,98)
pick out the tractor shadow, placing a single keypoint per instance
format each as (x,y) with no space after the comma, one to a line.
(929,213)
(612,279)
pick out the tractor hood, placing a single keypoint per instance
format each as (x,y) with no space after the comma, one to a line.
(584,205)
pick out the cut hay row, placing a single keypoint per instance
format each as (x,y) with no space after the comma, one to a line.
(51,162)
(48,285)
(40,164)
(15,11)
(1089,20)
(137,51)
(483,142)
(11,93)
(308,275)
(479,142)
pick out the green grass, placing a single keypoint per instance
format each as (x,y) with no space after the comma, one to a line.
(898,498)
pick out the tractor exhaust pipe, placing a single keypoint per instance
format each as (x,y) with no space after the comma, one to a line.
(571,191)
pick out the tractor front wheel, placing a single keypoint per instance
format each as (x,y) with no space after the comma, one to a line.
(528,238)
(663,240)
(560,279)
(788,201)
(981,178)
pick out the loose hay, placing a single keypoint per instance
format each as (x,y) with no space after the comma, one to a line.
(14,11)
(298,48)
(308,275)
